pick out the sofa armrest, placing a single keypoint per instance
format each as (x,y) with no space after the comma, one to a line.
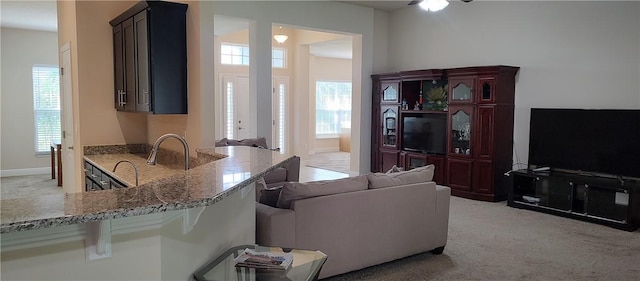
(443,198)
(293,169)
(275,226)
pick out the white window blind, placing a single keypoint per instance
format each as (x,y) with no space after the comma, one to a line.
(230,124)
(46,106)
(333,107)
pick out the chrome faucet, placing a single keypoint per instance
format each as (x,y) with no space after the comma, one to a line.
(135,169)
(154,151)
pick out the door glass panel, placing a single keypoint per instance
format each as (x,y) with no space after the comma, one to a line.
(389,127)
(390,94)
(460,133)
(486,91)
(462,92)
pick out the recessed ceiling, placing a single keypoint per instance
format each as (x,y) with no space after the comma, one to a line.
(35,15)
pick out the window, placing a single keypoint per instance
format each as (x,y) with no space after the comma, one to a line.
(230,122)
(277,58)
(238,54)
(234,54)
(46,106)
(333,107)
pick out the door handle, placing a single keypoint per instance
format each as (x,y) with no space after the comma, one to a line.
(70,147)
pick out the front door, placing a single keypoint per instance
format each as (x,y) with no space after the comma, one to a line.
(236,107)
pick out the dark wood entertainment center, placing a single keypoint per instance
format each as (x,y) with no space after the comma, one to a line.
(478,103)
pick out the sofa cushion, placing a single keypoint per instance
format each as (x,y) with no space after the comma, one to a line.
(255,142)
(420,174)
(395,169)
(278,175)
(222,142)
(260,185)
(292,191)
(269,196)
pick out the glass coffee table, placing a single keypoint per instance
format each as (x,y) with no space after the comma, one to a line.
(306,266)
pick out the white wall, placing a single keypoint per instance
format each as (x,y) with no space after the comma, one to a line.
(21,49)
(570,54)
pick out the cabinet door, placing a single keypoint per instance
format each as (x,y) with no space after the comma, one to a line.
(440,171)
(486,90)
(460,134)
(118,66)
(129,65)
(389,126)
(390,92)
(388,158)
(416,160)
(459,171)
(483,177)
(142,62)
(485,131)
(461,90)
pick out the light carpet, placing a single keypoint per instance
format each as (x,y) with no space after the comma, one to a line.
(491,241)
(334,161)
(25,186)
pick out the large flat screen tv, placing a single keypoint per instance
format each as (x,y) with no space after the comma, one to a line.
(425,133)
(595,141)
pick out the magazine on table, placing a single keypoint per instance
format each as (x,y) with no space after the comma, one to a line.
(264,260)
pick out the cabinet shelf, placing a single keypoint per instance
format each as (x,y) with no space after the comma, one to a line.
(424,111)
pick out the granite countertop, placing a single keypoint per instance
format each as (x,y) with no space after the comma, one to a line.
(161,188)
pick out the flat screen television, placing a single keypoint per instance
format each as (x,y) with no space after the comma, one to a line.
(425,133)
(592,141)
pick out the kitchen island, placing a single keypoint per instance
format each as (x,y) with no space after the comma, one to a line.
(162,229)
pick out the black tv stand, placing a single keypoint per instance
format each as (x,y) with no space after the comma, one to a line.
(605,200)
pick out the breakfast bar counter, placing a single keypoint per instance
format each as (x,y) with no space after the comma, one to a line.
(162,188)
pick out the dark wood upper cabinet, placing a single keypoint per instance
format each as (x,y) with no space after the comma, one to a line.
(150,58)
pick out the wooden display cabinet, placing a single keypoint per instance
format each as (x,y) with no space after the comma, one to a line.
(479,109)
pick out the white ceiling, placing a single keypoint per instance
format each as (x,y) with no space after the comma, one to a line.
(36,15)
(381,5)
(41,15)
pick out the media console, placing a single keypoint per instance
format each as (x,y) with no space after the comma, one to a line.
(609,201)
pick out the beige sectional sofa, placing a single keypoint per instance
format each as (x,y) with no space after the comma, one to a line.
(359,221)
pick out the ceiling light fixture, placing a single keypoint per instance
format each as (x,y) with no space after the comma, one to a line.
(280,38)
(433,5)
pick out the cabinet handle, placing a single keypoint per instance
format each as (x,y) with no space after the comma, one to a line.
(94,176)
(121,95)
(103,183)
(145,94)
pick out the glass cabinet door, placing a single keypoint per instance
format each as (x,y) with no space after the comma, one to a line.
(461,90)
(390,92)
(389,125)
(486,90)
(461,129)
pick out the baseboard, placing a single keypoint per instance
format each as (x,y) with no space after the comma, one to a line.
(25,172)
